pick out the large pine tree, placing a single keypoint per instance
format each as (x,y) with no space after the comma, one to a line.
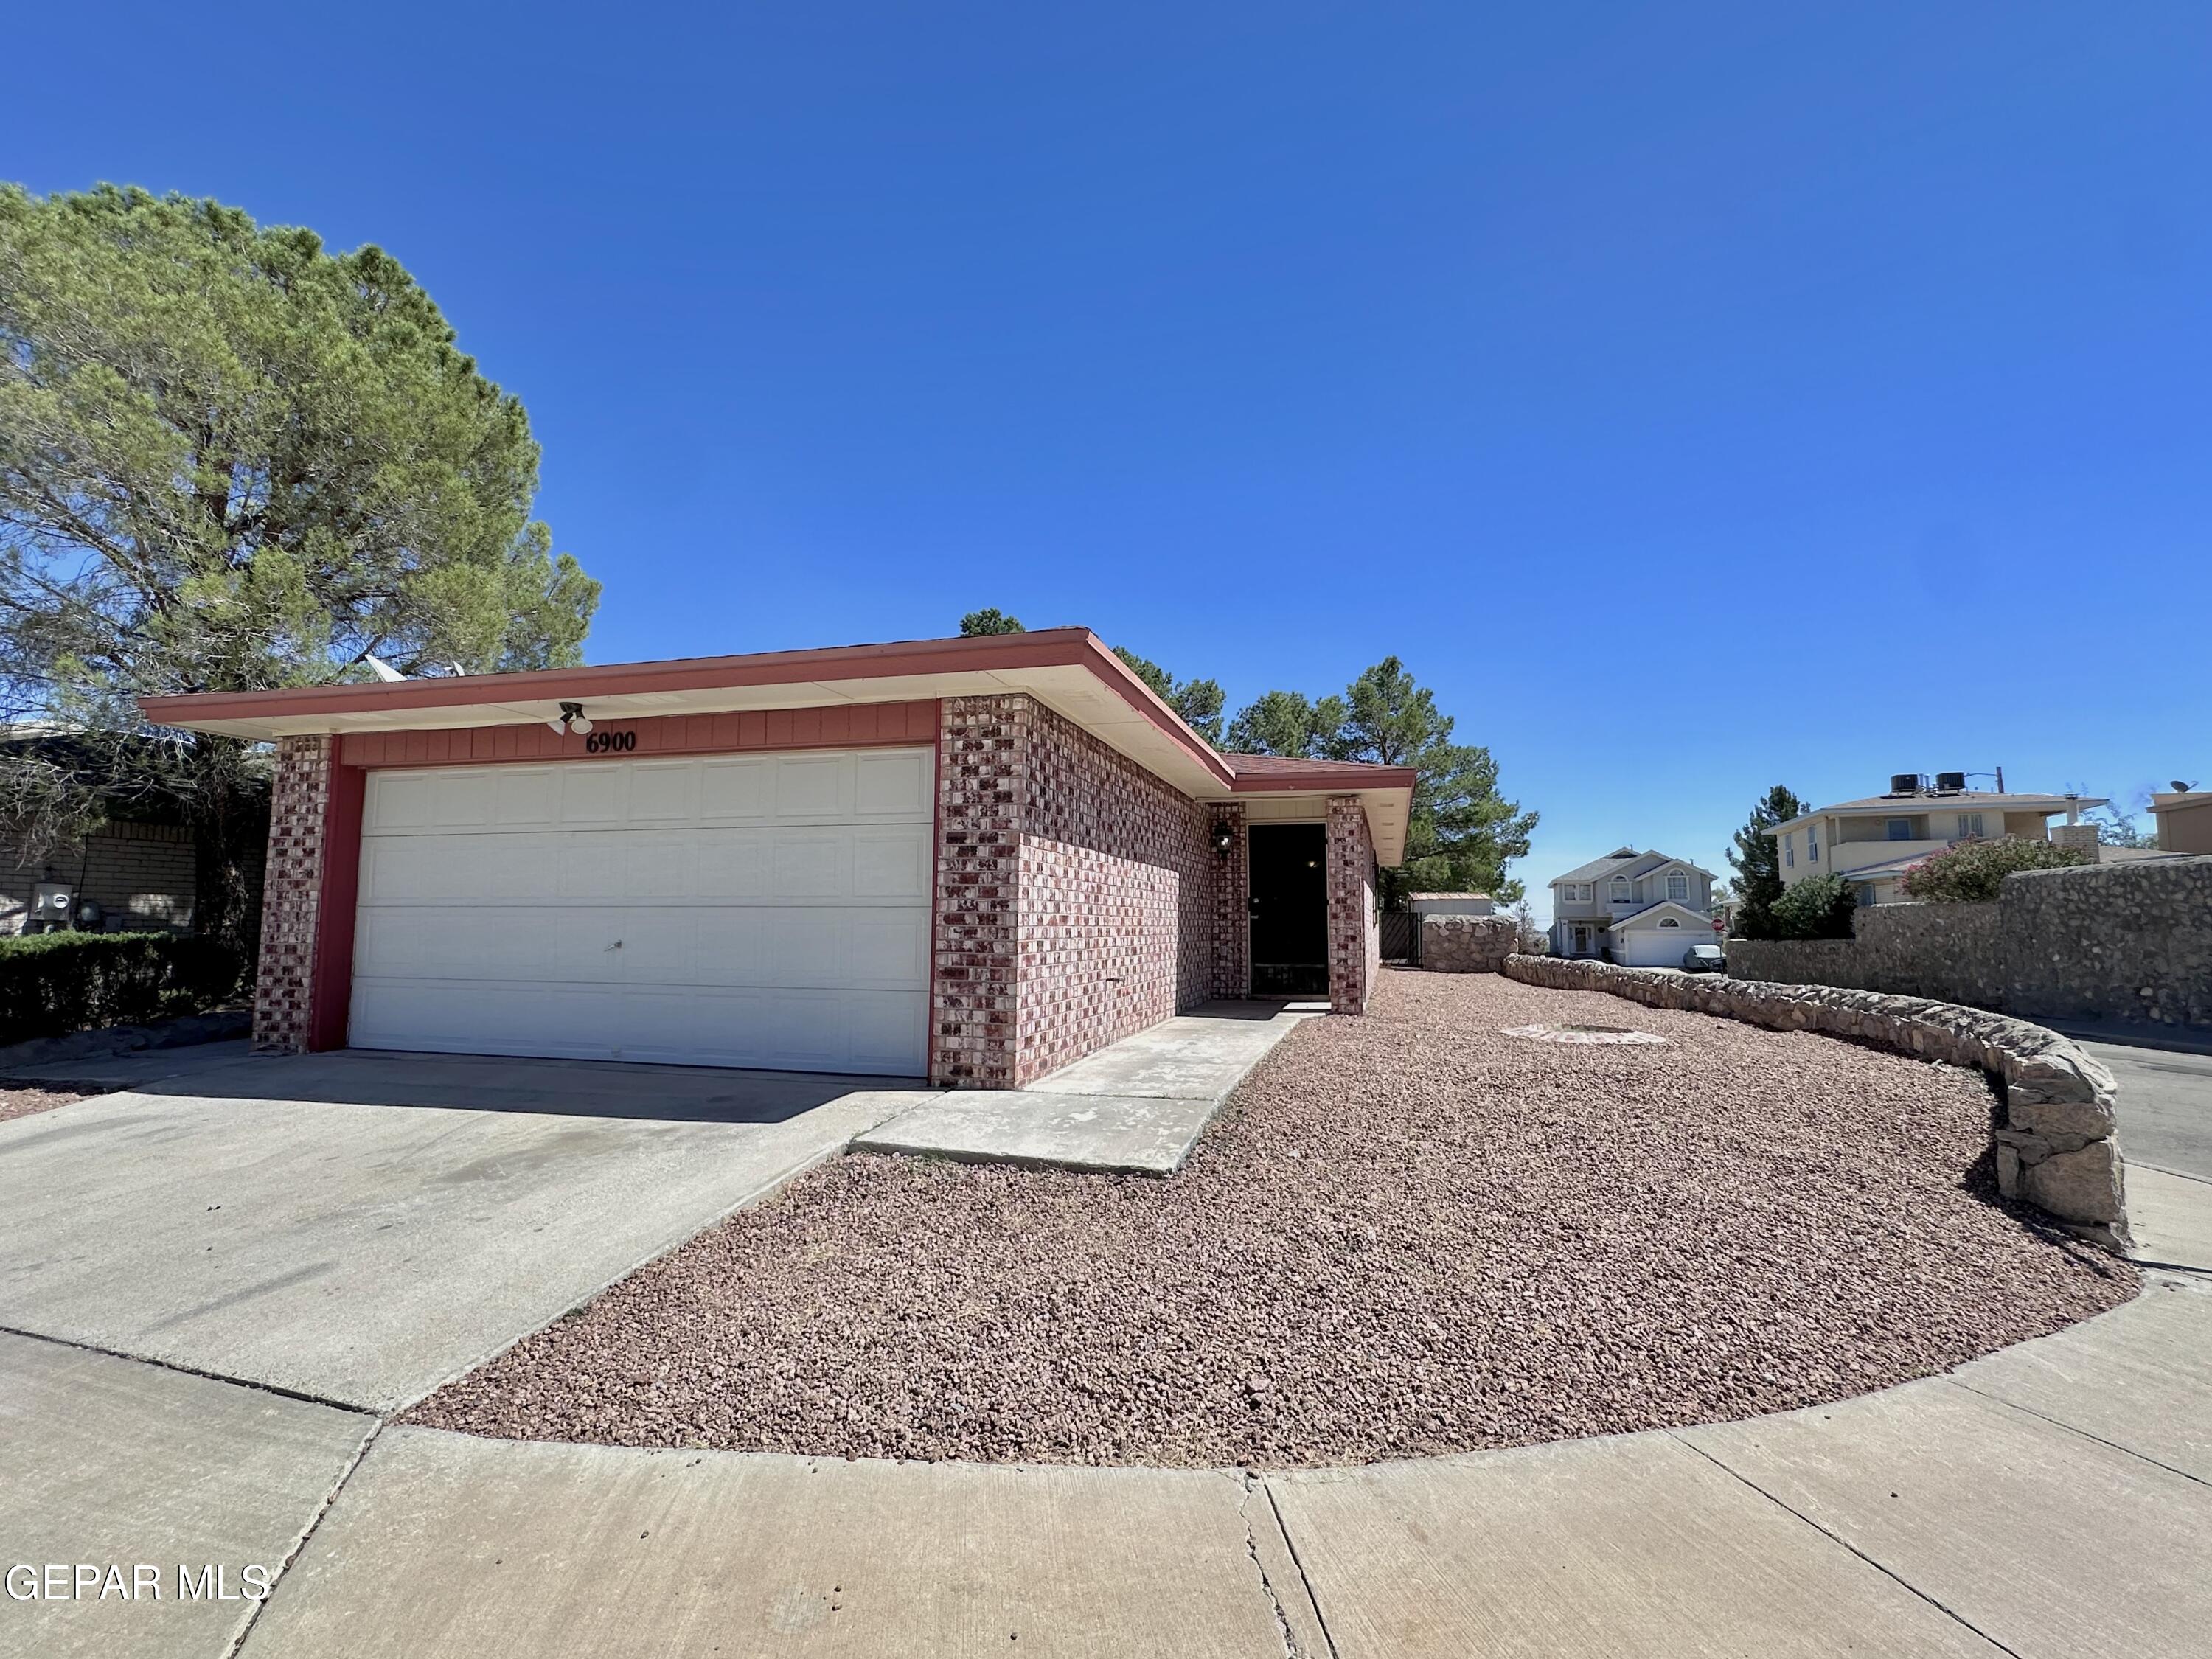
(230,459)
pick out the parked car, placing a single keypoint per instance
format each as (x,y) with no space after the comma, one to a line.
(1705,959)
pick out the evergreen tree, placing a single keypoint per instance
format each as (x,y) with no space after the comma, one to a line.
(1756,858)
(231,460)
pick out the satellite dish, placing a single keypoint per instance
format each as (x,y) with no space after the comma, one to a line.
(2181,789)
(381,669)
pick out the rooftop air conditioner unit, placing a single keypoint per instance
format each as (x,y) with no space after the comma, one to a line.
(1950,783)
(1904,783)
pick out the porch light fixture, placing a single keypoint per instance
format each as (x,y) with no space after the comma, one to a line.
(1223,838)
(572,720)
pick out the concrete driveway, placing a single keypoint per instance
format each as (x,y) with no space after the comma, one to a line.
(358,1228)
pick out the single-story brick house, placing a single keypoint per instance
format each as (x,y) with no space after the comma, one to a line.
(973,860)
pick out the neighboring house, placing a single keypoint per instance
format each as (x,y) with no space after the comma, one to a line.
(972,860)
(1641,909)
(2184,820)
(137,873)
(1872,842)
(1451,904)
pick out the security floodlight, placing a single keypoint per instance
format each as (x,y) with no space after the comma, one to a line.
(571,720)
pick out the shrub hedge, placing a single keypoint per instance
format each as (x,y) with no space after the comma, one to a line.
(52,984)
(1973,872)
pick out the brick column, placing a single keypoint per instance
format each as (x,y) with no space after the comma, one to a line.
(982,762)
(291,904)
(1232,903)
(1355,946)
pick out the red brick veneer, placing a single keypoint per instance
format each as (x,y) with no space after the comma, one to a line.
(291,902)
(1081,898)
(1355,945)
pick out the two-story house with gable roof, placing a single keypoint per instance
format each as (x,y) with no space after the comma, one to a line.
(1642,909)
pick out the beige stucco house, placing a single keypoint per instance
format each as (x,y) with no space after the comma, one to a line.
(1642,909)
(2184,820)
(1873,842)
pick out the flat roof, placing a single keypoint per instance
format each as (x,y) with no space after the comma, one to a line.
(1069,670)
(1972,800)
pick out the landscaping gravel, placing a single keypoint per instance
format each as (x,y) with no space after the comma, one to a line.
(1413,1234)
(22,1102)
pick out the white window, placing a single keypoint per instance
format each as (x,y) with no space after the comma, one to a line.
(1969,823)
(1668,921)
(1813,844)
(1620,889)
(1790,851)
(1678,887)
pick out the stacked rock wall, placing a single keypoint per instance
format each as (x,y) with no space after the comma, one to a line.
(1467,944)
(2129,941)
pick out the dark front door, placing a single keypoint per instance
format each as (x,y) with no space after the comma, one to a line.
(1290,909)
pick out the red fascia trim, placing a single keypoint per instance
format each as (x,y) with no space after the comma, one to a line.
(1343,779)
(331,1001)
(1051,647)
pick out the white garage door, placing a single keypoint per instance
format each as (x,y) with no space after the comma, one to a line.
(768,911)
(1657,946)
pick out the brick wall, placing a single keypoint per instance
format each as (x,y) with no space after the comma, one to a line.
(982,755)
(1079,897)
(1117,904)
(144,875)
(292,890)
(1355,943)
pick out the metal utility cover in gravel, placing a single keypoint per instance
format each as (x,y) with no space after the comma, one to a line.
(1413,1234)
(1615,1034)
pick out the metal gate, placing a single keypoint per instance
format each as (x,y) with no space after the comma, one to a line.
(1402,936)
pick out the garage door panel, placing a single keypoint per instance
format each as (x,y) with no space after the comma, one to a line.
(737,789)
(756,910)
(589,865)
(664,793)
(887,1030)
(892,783)
(594,794)
(817,788)
(656,864)
(891,863)
(733,864)
(811,864)
(890,949)
(461,800)
(401,800)
(526,797)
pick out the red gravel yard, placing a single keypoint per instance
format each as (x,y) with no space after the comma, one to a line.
(22,1102)
(1411,1235)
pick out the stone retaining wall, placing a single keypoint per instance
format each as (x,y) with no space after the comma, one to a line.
(2129,941)
(1467,944)
(2055,1150)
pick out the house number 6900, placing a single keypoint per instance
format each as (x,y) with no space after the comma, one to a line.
(609,743)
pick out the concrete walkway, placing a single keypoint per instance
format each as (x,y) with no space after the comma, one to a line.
(1135,1107)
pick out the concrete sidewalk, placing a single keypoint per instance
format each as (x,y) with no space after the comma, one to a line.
(2047,1501)
(1136,1107)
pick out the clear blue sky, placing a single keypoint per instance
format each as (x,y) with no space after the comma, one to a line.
(1698,396)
